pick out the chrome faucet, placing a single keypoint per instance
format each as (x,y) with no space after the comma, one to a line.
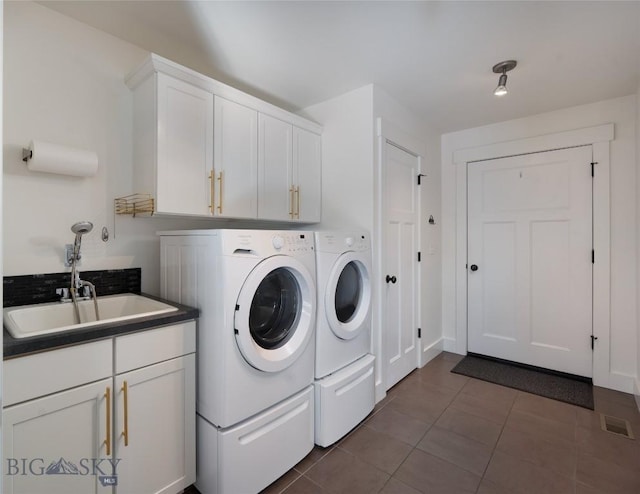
(79,287)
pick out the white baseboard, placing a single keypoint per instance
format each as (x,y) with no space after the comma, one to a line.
(380,392)
(636,393)
(431,351)
(449,345)
(617,382)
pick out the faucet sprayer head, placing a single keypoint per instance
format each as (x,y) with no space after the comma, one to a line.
(80,228)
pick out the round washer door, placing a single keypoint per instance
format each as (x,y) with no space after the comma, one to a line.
(275,313)
(347,298)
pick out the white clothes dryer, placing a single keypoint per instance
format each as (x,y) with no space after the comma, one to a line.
(344,368)
(256,291)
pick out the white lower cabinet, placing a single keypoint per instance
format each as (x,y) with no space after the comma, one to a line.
(129,432)
(155,433)
(54,444)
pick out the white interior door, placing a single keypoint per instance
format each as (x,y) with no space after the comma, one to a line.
(401,240)
(530,259)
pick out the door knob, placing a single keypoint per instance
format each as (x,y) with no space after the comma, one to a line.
(474,267)
(391,279)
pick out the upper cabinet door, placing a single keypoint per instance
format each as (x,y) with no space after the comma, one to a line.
(307,178)
(235,189)
(184,147)
(275,174)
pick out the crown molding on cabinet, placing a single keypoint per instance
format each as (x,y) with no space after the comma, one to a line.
(156,63)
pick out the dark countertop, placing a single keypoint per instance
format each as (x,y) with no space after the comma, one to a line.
(17,347)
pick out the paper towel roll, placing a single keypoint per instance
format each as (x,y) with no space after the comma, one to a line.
(54,158)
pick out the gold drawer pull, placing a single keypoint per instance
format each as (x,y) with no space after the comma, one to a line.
(212,191)
(291,213)
(220,180)
(107,441)
(298,202)
(125,396)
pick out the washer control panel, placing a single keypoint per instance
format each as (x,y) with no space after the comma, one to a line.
(278,242)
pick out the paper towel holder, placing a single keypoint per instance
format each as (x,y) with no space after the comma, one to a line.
(46,157)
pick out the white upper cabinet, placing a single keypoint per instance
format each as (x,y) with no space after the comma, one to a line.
(289,186)
(307,178)
(203,148)
(275,169)
(235,166)
(173,145)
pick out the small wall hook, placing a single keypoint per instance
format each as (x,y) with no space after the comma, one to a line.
(27,154)
(431,220)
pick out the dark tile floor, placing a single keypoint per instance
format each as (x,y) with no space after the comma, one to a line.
(438,432)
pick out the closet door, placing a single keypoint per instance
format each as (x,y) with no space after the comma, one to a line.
(401,205)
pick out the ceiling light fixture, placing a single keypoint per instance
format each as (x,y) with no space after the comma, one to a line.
(502,68)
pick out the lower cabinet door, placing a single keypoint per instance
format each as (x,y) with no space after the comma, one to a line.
(155,427)
(58,444)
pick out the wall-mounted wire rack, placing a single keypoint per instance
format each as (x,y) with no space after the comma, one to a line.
(134,204)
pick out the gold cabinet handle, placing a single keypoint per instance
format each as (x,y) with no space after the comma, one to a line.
(298,202)
(211,190)
(107,441)
(125,396)
(220,180)
(291,213)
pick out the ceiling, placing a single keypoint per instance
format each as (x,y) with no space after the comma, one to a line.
(433,57)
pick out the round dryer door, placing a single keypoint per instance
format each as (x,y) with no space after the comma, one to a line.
(275,313)
(347,298)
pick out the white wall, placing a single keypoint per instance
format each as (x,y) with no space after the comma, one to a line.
(64,83)
(349,182)
(347,159)
(623,318)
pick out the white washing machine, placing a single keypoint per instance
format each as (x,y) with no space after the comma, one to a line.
(256,291)
(344,369)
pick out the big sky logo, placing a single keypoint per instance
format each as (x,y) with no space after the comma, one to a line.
(103,468)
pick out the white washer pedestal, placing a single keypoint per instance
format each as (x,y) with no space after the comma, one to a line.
(249,456)
(343,399)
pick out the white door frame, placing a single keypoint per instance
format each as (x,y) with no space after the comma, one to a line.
(386,132)
(599,137)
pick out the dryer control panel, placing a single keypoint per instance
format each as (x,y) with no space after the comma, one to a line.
(338,242)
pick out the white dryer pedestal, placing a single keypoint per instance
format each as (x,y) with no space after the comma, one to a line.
(343,399)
